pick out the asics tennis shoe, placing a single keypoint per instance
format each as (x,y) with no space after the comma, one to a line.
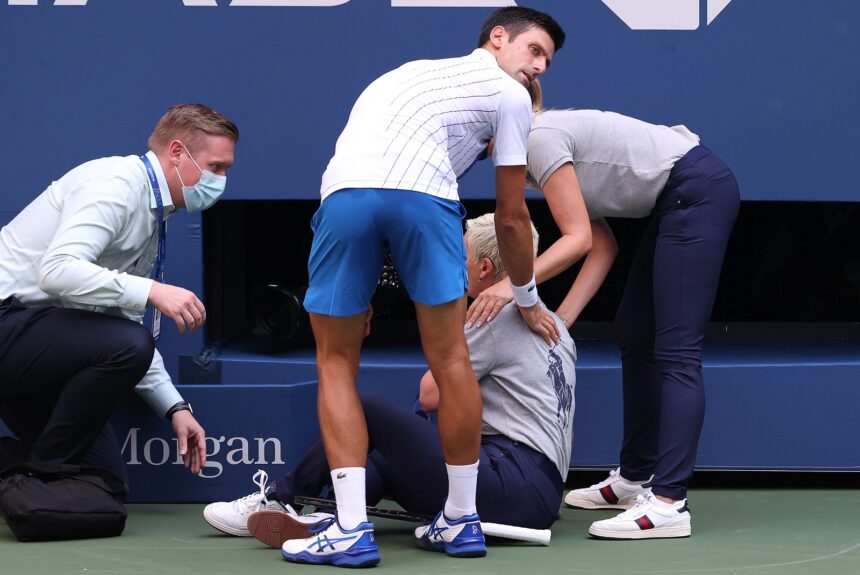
(330,544)
(461,537)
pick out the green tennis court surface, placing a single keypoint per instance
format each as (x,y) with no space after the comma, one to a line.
(734,532)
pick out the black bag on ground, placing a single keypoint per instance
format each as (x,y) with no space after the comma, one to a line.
(57,502)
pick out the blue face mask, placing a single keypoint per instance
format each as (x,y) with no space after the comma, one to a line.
(204,193)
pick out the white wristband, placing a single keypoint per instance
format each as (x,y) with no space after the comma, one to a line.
(526,296)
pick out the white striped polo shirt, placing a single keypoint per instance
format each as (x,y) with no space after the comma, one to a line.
(421,126)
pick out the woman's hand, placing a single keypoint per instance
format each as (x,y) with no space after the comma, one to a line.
(489,303)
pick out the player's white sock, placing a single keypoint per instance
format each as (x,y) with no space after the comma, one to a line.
(462,482)
(348,485)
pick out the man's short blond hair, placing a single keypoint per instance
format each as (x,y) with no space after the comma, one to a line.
(481,232)
(190,123)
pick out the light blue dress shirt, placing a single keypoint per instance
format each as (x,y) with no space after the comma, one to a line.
(89,242)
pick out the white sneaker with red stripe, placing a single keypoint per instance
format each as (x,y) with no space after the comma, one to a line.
(650,518)
(615,492)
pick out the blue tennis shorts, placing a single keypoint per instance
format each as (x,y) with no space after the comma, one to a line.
(355,228)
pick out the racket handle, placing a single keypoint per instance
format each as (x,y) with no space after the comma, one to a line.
(541,536)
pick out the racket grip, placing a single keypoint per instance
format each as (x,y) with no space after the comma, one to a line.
(541,536)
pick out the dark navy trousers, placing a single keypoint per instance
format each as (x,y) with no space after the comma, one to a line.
(62,373)
(662,317)
(516,484)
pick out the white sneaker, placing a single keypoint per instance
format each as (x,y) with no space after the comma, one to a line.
(273,527)
(648,519)
(333,545)
(614,492)
(231,517)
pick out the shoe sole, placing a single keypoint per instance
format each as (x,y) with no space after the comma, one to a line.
(656,533)
(363,559)
(226,529)
(465,551)
(584,504)
(274,527)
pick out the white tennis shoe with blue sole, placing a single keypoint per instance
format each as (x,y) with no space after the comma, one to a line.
(461,537)
(333,545)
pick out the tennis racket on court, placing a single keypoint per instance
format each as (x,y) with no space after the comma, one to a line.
(540,536)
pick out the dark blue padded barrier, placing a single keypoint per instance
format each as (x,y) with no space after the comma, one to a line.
(769,407)
(787,407)
(248,428)
(265,419)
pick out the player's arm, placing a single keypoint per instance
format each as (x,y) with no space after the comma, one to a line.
(564,197)
(513,225)
(513,232)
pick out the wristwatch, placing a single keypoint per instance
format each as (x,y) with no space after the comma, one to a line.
(178,406)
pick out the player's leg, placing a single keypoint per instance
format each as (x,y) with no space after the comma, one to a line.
(447,354)
(408,452)
(430,258)
(516,485)
(425,235)
(344,266)
(348,538)
(342,424)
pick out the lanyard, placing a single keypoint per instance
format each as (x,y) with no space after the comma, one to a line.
(158,268)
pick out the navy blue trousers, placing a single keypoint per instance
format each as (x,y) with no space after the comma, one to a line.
(662,317)
(62,373)
(516,485)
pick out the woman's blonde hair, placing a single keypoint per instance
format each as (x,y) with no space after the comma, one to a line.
(536,93)
(483,243)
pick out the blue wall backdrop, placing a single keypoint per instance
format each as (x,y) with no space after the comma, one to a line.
(771,85)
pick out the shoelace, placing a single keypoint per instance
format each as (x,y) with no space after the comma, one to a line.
(322,525)
(641,501)
(612,475)
(254,499)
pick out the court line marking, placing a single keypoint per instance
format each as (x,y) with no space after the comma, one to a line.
(734,568)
